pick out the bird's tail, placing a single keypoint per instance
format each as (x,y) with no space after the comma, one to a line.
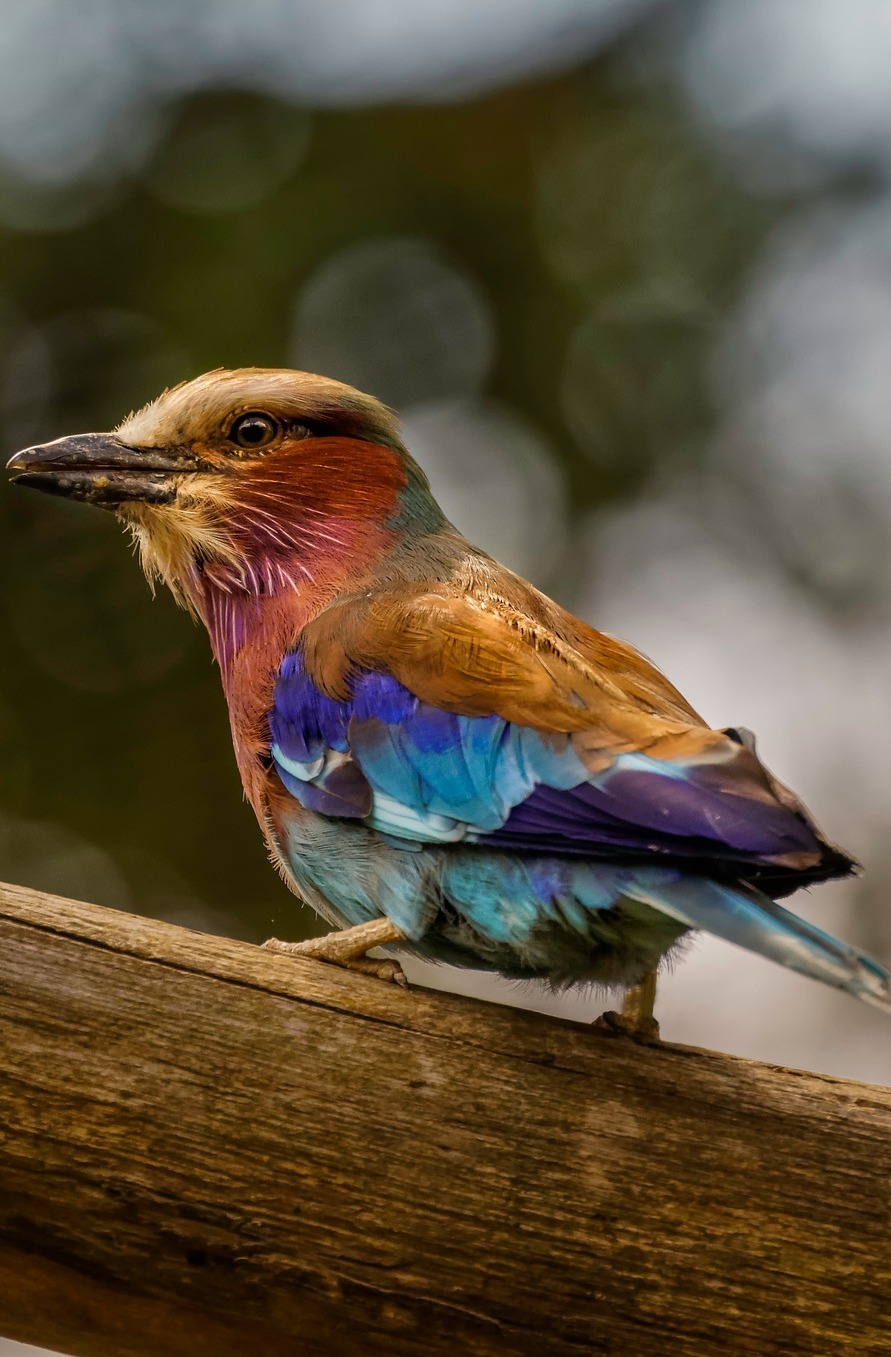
(744,916)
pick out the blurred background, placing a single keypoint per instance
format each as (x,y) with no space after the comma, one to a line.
(625,268)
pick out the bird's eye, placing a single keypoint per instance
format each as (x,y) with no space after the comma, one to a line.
(253,431)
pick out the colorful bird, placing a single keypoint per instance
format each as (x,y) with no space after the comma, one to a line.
(440,756)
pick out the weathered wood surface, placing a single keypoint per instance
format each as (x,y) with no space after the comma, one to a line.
(209,1151)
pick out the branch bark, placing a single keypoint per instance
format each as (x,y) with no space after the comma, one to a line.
(209,1150)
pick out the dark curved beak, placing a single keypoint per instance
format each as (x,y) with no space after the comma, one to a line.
(100,469)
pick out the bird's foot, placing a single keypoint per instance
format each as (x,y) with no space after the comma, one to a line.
(348,948)
(636,1019)
(619,1025)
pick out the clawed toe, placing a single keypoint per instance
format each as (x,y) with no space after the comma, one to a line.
(304,949)
(384,968)
(331,949)
(636,1018)
(621,1025)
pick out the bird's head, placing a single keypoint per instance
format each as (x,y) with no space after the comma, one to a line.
(247,480)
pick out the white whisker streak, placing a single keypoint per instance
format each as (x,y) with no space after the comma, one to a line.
(296,536)
(298,533)
(305,510)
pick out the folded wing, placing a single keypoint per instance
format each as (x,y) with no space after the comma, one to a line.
(506,733)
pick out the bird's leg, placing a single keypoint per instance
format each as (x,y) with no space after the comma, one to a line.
(637,1010)
(636,1018)
(348,947)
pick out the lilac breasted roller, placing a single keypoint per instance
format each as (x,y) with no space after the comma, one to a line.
(439,756)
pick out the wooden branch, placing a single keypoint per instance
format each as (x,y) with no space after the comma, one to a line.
(209,1151)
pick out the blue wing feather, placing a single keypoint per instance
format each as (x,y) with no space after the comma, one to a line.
(413,765)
